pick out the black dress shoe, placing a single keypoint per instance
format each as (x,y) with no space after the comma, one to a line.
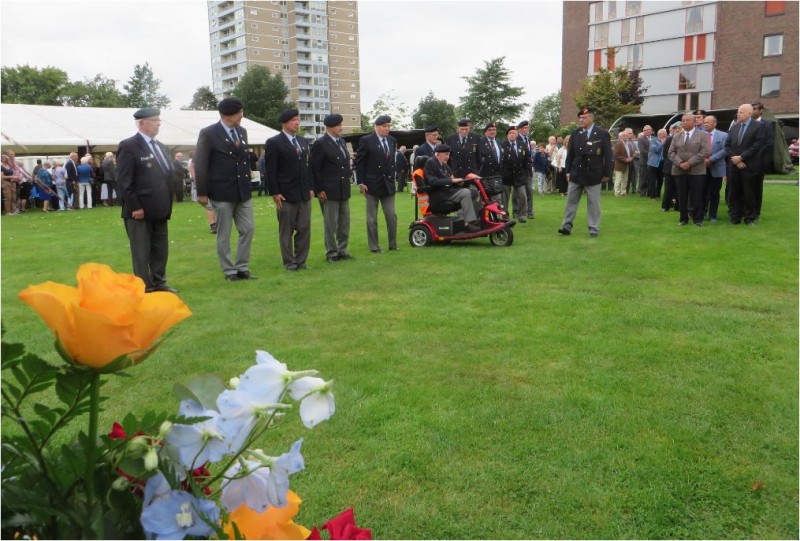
(332,258)
(163,287)
(246,275)
(565,231)
(683,223)
(395,249)
(346,256)
(593,234)
(303,267)
(232,277)
(378,251)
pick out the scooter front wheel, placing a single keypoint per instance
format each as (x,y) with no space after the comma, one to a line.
(504,237)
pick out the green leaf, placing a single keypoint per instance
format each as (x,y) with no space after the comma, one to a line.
(203,389)
(11,353)
(20,375)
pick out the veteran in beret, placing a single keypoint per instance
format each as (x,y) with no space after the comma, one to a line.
(463,150)
(143,179)
(330,171)
(431,140)
(222,175)
(443,186)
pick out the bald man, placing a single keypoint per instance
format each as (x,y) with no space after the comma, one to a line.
(744,148)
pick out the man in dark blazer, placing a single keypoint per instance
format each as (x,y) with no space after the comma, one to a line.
(766,152)
(290,185)
(744,146)
(374,167)
(516,160)
(330,171)
(179,174)
(428,148)
(463,150)
(670,199)
(143,176)
(523,130)
(589,164)
(688,152)
(222,176)
(490,154)
(401,168)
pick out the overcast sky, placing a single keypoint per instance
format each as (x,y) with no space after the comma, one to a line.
(407,48)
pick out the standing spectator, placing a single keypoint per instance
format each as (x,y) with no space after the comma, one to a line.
(143,178)
(222,172)
(523,128)
(688,154)
(744,147)
(716,166)
(550,149)
(291,188)
(179,174)
(490,156)
(60,181)
(109,189)
(71,167)
(463,150)
(401,168)
(24,180)
(561,156)
(589,163)
(654,158)
(262,171)
(431,140)
(622,162)
(330,170)
(375,176)
(645,138)
(97,177)
(10,183)
(630,140)
(541,165)
(766,152)
(44,180)
(670,199)
(85,183)
(516,160)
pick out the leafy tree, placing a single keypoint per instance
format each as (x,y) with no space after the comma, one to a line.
(142,89)
(546,117)
(437,112)
(203,100)
(34,86)
(97,92)
(490,96)
(389,104)
(611,94)
(263,95)
(366,124)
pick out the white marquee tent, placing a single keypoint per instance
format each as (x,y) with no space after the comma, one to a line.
(45,129)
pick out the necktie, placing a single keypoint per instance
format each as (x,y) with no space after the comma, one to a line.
(494,149)
(462,142)
(235,137)
(296,146)
(159,158)
(514,146)
(686,139)
(741,132)
(385,147)
(343,149)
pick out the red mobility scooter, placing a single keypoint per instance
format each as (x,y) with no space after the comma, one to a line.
(437,226)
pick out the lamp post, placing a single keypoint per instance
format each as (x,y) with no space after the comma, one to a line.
(423,117)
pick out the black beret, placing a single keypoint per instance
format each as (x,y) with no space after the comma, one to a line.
(489,125)
(383,119)
(333,120)
(146,112)
(523,124)
(287,115)
(510,129)
(441,148)
(431,129)
(585,111)
(229,106)
(464,122)
(700,112)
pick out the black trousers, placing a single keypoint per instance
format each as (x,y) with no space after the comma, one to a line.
(654,180)
(691,186)
(149,250)
(670,192)
(713,187)
(742,197)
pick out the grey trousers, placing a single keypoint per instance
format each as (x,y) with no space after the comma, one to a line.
(529,195)
(149,250)
(387,204)
(294,233)
(337,226)
(592,206)
(520,200)
(228,213)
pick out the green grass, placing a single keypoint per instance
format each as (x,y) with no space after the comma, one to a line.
(631,386)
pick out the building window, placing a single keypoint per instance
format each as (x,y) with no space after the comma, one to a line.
(601,36)
(335,71)
(276,15)
(774,8)
(626,31)
(333,23)
(276,53)
(350,26)
(255,52)
(253,25)
(276,41)
(687,77)
(612,10)
(274,28)
(352,49)
(253,12)
(253,38)
(639,29)
(694,48)
(352,96)
(352,72)
(335,95)
(611,53)
(333,11)
(350,14)
(598,60)
(598,11)
(334,35)
(773,45)
(694,20)
(770,86)
(351,38)
(689,101)
(632,8)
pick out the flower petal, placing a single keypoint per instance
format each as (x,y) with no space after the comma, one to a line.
(302,386)
(114,294)
(156,314)
(98,340)
(274,523)
(317,407)
(54,304)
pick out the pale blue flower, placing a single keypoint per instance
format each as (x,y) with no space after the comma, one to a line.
(177,514)
(284,466)
(198,443)
(246,484)
(316,399)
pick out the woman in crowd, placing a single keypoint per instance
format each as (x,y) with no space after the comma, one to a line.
(60,182)
(10,183)
(85,181)
(44,186)
(655,156)
(559,161)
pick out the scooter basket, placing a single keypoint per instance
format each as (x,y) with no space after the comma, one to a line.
(493,185)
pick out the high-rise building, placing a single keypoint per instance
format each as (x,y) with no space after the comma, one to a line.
(312,45)
(701,54)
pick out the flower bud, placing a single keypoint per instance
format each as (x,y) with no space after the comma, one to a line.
(233,383)
(120,483)
(137,446)
(164,429)
(151,459)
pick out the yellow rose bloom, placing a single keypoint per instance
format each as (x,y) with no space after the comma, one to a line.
(274,523)
(107,316)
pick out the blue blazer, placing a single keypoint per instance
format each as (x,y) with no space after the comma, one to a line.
(654,153)
(719,158)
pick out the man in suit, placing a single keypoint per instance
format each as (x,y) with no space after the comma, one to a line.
(431,140)
(71,167)
(179,174)
(374,167)
(688,153)
(716,166)
(523,128)
(222,177)
(443,186)
(401,168)
(622,161)
(744,147)
(766,152)
(330,171)
(143,175)
(109,166)
(669,201)
(463,150)
(645,138)
(589,164)
(290,185)
(516,158)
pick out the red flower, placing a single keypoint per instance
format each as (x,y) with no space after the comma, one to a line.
(117,432)
(343,526)
(314,536)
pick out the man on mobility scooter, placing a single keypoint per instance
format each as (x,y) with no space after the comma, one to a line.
(442,187)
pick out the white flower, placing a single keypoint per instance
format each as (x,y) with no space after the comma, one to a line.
(198,443)
(316,399)
(238,413)
(246,487)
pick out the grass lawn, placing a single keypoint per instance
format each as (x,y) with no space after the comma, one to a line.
(639,385)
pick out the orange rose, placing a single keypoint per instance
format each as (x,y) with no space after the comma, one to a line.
(106,318)
(274,523)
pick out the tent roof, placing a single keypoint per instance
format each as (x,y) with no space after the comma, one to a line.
(38,129)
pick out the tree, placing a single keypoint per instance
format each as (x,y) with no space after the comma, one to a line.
(611,94)
(490,96)
(437,112)
(202,100)
(546,117)
(389,104)
(97,92)
(34,86)
(263,95)
(366,125)
(142,89)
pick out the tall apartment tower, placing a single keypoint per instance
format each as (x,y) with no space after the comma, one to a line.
(313,45)
(691,54)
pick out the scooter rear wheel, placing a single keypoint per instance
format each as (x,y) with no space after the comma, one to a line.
(419,236)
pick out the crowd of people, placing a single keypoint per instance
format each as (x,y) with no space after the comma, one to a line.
(684,169)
